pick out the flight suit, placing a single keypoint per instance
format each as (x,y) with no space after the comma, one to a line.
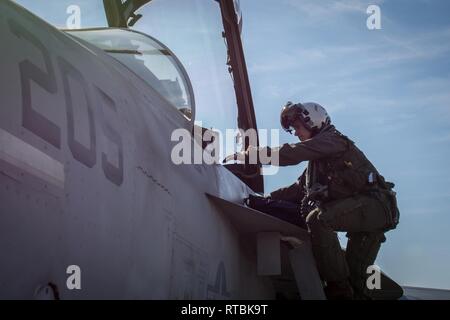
(358,201)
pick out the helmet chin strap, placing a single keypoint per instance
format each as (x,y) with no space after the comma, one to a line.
(325,127)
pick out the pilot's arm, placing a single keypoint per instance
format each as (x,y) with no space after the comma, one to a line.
(321,146)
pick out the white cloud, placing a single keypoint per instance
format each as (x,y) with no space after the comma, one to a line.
(386,51)
(329,8)
(442,139)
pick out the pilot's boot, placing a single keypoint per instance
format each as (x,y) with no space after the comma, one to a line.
(339,290)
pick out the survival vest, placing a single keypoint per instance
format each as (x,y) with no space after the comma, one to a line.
(349,173)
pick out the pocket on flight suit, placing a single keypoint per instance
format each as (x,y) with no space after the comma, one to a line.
(359,213)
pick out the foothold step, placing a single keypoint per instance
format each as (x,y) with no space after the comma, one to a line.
(305,272)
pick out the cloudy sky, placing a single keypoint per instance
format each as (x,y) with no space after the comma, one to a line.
(386,89)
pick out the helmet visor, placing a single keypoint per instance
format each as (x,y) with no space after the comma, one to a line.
(286,124)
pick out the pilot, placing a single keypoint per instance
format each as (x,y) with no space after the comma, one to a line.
(340,190)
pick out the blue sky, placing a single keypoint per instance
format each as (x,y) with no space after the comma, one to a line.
(386,89)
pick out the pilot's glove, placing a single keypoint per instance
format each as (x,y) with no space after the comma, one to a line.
(237,156)
(243,156)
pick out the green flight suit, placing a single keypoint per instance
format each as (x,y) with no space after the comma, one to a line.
(364,209)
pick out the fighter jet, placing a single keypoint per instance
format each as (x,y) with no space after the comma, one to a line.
(92,205)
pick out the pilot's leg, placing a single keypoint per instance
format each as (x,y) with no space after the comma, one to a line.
(330,259)
(365,219)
